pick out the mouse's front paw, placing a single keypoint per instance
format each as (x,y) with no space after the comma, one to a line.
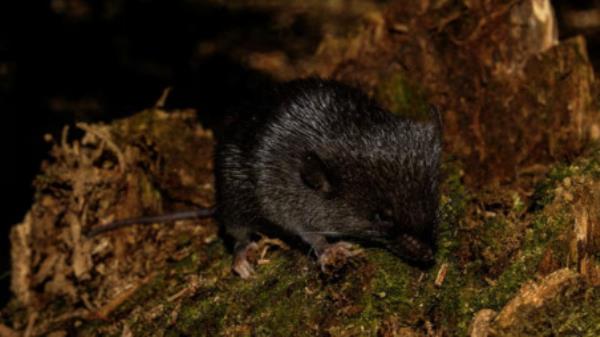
(336,255)
(241,261)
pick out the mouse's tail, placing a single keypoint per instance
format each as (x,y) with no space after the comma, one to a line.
(194,214)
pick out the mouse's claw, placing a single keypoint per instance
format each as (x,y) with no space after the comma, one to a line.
(243,268)
(241,265)
(337,255)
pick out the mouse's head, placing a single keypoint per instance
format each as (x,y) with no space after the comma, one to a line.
(380,187)
(334,163)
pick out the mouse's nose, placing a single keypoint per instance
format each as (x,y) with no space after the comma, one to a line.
(413,249)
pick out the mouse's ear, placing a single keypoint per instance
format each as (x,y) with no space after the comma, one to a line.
(314,174)
(435,116)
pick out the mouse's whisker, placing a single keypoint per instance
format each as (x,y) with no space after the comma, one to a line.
(329,233)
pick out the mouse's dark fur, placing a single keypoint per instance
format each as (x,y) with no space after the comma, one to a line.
(324,163)
(320,161)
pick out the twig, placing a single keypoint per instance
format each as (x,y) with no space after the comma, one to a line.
(162,100)
(264,243)
(42,330)
(441,276)
(106,138)
(113,304)
(190,289)
(30,324)
(7,332)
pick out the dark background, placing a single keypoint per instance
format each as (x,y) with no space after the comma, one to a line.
(91,61)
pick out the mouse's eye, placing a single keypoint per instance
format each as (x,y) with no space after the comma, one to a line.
(383,215)
(315,176)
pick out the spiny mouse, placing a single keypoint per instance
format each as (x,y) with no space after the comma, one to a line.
(320,161)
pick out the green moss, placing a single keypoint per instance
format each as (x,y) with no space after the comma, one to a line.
(452,305)
(402,97)
(187,265)
(449,304)
(145,294)
(465,291)
(289,297)
(453,204)
(573,312)
(202,315)
(266,302)
(544,233)
(544,191)
(497,239)
(392,287)
(518,204)
(280,302)
(469,288)
(589,165)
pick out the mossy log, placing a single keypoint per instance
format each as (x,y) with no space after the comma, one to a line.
(517,258)
(508,266)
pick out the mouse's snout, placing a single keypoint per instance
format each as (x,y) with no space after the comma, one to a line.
(413,249)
